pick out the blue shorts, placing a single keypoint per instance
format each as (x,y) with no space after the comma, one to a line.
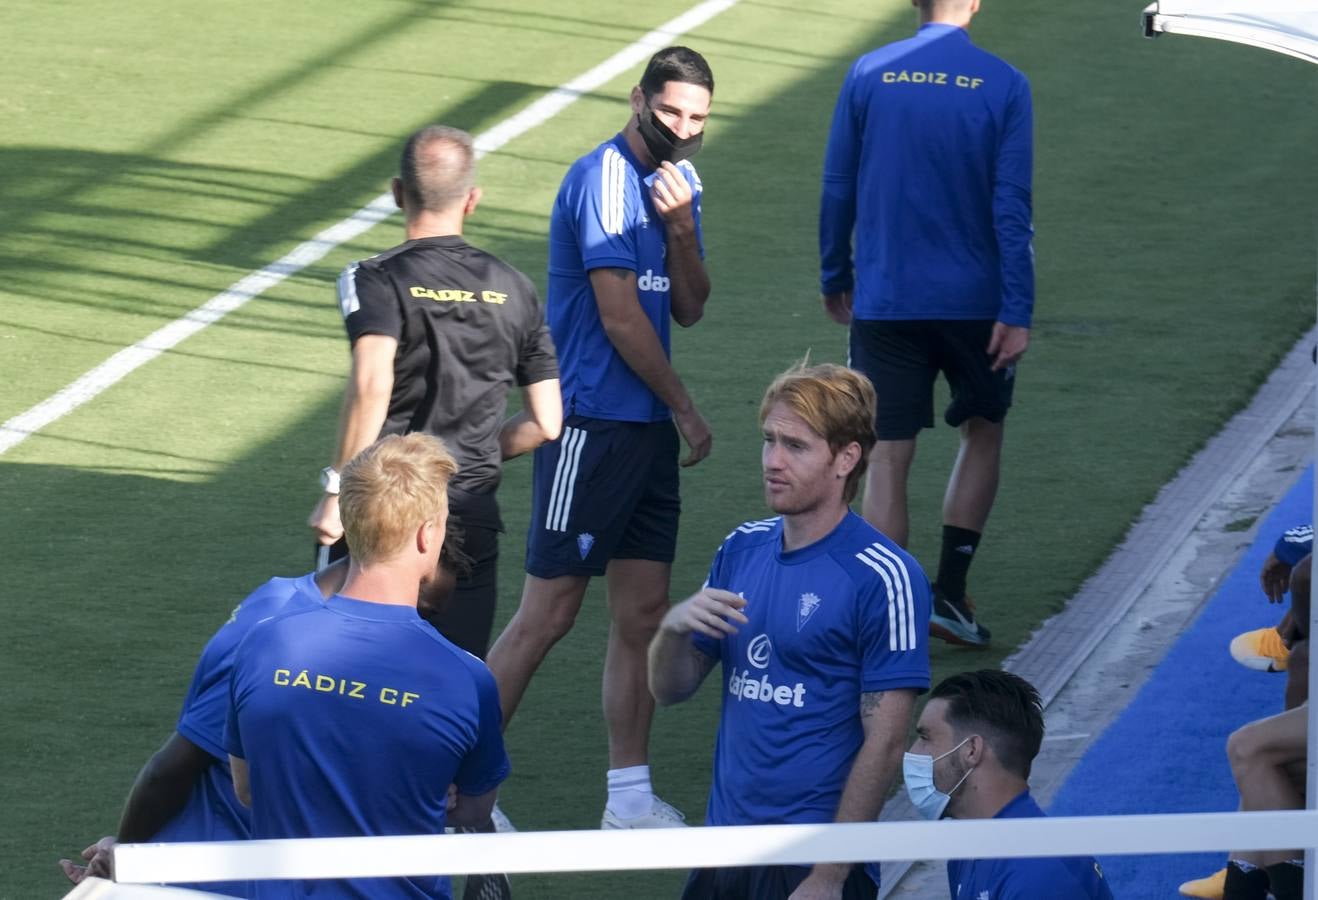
(604,490)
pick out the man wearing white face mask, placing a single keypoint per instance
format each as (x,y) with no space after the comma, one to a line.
(975,742)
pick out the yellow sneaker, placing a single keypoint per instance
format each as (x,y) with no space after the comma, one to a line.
(1261,649)
(1210,888)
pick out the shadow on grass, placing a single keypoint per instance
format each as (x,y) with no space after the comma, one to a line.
(1163,303)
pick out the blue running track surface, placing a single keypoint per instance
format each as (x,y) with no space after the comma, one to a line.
(1166,752)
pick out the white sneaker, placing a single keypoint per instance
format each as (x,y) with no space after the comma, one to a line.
(502,824)
(661,815)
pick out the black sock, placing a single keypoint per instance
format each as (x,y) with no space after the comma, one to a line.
(1287,879)
(1245,883)
(959,546)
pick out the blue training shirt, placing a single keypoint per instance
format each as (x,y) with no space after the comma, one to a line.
(212,812)
(929,167)
(848,614)
(354,718)
(1294,545)
(1044,878)
(604,217)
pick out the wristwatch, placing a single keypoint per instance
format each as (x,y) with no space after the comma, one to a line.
(329,480)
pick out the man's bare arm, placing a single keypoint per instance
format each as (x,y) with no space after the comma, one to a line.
(885,717)
(540,420)
(638,344)
(365,405)
(159,793)
(689,287)
(366,400)
(674,200)
(471,811)
(242,780)
(676,666)
(162,788)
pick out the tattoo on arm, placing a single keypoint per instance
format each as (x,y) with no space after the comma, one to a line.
(869,703)
(619,274)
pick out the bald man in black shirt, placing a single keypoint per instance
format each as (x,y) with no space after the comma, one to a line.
(440,332)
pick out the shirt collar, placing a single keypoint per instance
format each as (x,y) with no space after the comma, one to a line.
(620,144)
(1022,806)
(940,29)
(810,551)
(441,240)
(376,612)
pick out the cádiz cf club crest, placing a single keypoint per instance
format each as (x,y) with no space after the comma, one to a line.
(805,608)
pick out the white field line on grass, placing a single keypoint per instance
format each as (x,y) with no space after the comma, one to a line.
(87,387)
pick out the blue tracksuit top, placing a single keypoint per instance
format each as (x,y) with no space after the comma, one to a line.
(927,175)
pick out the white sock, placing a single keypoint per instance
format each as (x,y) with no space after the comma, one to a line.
(630,794)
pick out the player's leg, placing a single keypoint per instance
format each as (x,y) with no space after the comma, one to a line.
(638,600)
(585,487)
(1297,675)
(465,615)
(462,599)
(971,490)
(973,484)
(980,400)
(896,358)
(556,575)
(548,609)
(1260,753)
(1297,634)
(1301,585)
(638,578)
(885,505)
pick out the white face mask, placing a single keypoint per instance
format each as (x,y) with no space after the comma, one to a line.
(918,773)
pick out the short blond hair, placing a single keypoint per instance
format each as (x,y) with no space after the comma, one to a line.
(837,403)
(391,489)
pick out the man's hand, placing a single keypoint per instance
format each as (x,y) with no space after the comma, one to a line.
(823,883)
(1275,577)
(709,611)
(672,198)
(1007,344)
(695,431)
(324,519)
(838,307)
(99,856)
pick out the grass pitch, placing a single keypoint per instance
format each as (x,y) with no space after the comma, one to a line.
(155,156)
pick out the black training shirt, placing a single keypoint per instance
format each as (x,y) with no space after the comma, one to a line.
(468,327)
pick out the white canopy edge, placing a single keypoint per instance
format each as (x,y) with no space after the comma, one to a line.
(1282,27)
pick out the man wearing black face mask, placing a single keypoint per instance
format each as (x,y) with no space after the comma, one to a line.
(625,257)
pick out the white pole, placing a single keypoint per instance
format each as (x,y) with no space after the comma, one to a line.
(1311,767)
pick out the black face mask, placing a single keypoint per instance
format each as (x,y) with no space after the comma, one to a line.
(663,144)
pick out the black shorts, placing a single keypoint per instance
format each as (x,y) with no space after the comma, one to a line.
(903,358)
(767,883)
(466,616)
(604,490)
